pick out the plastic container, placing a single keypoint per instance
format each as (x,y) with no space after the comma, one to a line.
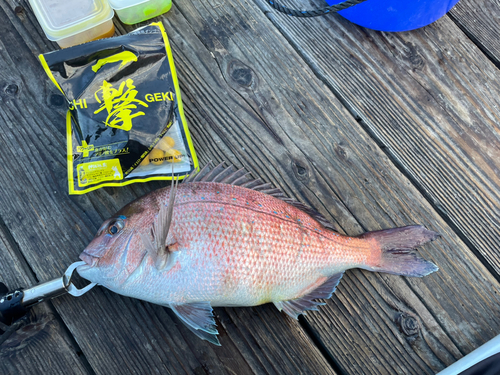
(396,15)
(72,22)
(135,11)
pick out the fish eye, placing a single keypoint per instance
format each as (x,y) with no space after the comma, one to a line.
(116,226)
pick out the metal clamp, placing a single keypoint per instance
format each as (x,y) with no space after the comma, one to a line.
(71,288)
(55,288)
(16,303)
(41,292)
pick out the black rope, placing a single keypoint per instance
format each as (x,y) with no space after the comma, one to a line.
(314,12)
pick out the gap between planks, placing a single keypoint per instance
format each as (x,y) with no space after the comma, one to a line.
(378,140)
(30,273)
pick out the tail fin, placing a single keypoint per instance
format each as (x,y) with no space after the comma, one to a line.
(398,255)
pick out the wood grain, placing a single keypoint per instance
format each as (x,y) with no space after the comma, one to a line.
(318,153)
(117,335)
(41,344)
(430,99)
(479,20)
(250,99)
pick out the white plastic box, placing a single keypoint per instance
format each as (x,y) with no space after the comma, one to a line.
(135,11)
(72,22)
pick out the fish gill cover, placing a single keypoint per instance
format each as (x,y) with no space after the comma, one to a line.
(125,120)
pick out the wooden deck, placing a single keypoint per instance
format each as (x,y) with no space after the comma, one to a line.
(374,130)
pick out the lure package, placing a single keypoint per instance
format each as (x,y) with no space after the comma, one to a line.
(125,121)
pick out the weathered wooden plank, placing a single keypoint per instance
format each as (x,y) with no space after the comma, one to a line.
(479,20)
(250,99)
(117,335)
(430,98)
(296,133)
(41,344)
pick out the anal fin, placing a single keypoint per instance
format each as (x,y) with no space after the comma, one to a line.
(295,307)
(199,318)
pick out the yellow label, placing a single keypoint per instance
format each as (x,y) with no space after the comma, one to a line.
(99,171)
(85,149)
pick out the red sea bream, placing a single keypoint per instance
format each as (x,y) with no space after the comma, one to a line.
(236,242)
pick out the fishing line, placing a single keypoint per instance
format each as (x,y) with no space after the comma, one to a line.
(314,12)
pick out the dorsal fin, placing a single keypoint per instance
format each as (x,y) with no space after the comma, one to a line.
(213,173)
(310,211)
(228,175)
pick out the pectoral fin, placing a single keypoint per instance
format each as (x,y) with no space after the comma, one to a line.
(164,256)
(295,307)
(198,317)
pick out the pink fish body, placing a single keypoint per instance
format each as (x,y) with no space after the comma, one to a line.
(232,246)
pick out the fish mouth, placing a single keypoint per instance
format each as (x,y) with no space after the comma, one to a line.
(89,259)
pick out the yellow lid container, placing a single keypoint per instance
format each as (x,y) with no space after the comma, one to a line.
(135,11)
(72,22)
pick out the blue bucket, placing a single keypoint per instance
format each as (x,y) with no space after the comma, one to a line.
(395,15)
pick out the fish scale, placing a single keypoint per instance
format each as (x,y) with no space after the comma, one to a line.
(226,245)
(247,234)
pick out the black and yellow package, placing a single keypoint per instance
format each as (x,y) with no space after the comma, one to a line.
(125,121)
